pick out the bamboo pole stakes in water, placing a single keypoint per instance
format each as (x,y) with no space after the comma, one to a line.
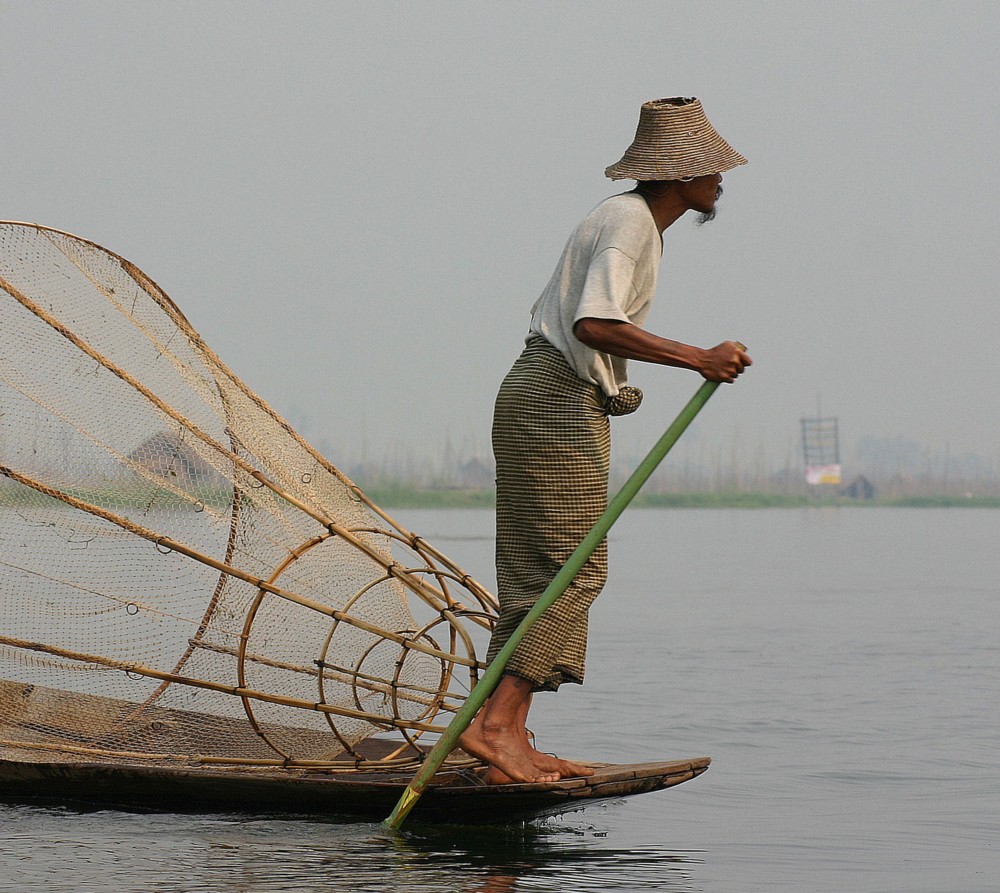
(491,678)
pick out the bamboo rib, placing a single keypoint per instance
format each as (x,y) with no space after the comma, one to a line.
(418,545)
(377,684)
(90,751)
(334,766)
(235,690)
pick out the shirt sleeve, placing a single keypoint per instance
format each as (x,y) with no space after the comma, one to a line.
(608,289)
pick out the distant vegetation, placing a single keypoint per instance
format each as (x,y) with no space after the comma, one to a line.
(889,477)
(405,497)
(398,495)
(128,495)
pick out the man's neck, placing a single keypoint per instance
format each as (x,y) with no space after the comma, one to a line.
(665,205)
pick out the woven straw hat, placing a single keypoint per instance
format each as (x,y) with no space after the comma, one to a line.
(674,140)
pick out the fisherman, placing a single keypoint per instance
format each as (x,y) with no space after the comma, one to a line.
(551,435)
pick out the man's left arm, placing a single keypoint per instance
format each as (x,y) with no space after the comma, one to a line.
(724,362)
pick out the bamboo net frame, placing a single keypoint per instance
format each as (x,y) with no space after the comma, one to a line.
(182,576)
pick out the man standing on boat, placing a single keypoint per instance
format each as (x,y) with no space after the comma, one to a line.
(551,435)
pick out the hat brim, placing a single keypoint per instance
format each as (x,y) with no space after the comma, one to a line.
(674,141)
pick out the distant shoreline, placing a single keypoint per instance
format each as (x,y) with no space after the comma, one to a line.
(396,496)
(410,498)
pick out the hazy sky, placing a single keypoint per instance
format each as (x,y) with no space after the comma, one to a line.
(357,203)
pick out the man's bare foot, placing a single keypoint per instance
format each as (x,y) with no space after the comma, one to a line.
(507,752)
(543,763)
(547,763)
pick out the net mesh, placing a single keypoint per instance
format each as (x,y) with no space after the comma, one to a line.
(182,577)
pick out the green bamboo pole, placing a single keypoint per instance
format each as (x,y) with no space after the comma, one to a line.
(491,678)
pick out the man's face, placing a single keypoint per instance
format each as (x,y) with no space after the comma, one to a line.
(701,193)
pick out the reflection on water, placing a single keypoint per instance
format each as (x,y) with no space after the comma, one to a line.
(59,850)
(545,857)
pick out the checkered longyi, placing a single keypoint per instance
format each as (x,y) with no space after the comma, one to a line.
(552,444)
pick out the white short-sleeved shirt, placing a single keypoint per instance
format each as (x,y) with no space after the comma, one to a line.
(607,271)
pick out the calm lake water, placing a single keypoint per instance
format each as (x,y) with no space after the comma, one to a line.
(840,665)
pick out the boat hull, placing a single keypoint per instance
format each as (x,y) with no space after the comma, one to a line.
(455,797)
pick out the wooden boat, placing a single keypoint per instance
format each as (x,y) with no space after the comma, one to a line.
(67,769)
(457,797)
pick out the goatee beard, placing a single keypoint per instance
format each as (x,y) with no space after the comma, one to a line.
(708,216)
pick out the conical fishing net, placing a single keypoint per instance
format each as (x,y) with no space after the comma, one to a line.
(182,577)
